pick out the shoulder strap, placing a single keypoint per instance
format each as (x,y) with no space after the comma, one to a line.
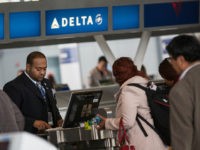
(141,127)
(142,118)
(137,85)
(139,116)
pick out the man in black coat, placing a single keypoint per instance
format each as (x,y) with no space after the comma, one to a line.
(32,93)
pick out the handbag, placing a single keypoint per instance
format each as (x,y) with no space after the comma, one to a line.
(123,138)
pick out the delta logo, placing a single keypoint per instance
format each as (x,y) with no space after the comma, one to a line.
(76,21)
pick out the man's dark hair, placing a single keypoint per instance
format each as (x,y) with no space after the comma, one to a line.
(102,58)
(185,45)
(34,55)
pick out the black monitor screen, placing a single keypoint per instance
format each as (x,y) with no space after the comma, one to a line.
(83,106)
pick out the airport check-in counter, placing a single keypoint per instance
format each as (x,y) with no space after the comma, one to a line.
(79,137)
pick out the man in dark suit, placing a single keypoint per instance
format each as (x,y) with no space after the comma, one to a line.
(32,93)
(184,51)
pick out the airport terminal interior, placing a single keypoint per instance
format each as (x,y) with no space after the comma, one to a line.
(73,35)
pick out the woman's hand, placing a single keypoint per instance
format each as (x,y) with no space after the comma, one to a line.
(101,125)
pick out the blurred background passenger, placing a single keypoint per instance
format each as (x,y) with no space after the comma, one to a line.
(55,86)
(168,73)
(11,119)
(51,78)
(130,102)
(100,75)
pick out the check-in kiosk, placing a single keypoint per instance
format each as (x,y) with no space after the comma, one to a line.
(79,128)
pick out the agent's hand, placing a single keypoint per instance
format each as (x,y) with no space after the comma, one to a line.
(105,72)
(101,125)
(60,122)
(41,125)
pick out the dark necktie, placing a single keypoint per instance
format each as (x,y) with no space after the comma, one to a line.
(42,90)
(43,93)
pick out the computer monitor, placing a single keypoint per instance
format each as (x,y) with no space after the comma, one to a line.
(83,106)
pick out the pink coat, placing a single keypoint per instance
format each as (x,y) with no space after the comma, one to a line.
(130,101)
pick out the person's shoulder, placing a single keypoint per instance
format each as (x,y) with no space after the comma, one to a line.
(12,82)
(180,88)
(137,80)
(93,70)
(191,77)
(4,96)
(2,93)
(194,71)
(18,81)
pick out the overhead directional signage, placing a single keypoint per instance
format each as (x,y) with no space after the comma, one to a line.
(70,21)
(1,26)
(125,17)
(168,14)
(24,24)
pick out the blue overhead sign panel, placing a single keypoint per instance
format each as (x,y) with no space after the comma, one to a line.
(169,14)
(71,21)
(125,17)
(24,24)
(1,26)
